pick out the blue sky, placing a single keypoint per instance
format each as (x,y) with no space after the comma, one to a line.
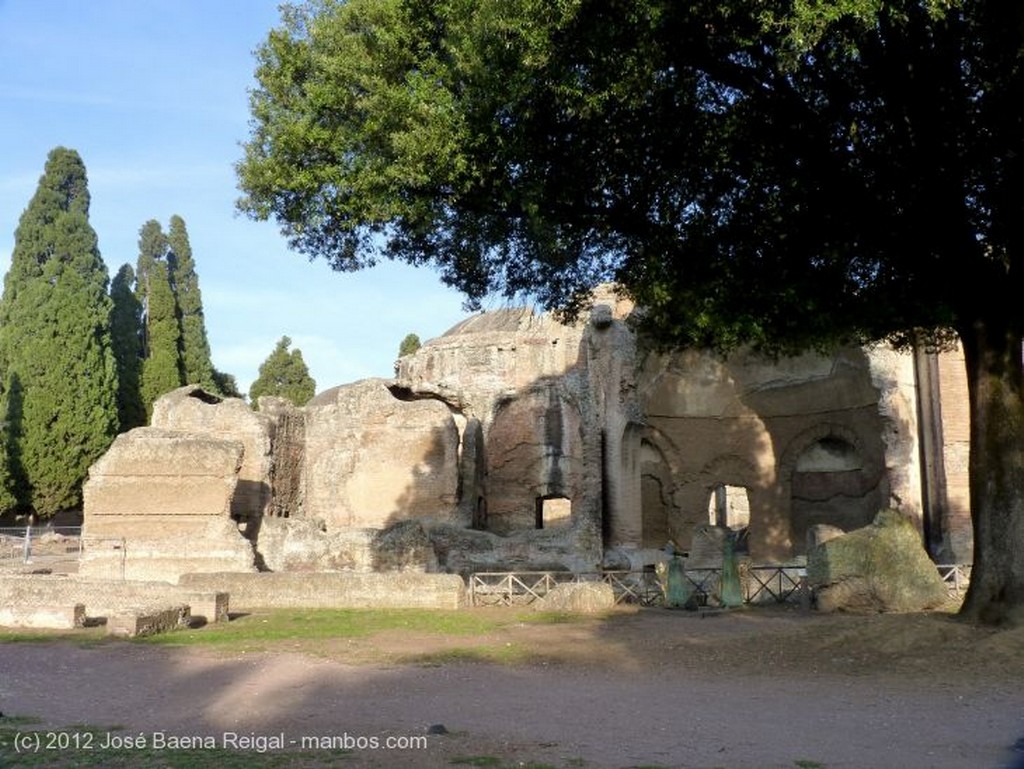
(154,96)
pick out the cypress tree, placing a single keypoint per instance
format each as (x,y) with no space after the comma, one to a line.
(285,375)
(60,379)
(161,369)
(126,337)
(152,248)
(196,365)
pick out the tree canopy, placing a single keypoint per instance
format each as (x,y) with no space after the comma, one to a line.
(175,349)
(283,374)
(410,344)
(196,364)
(59,374)
(787,176)
(126,339)
(162,369)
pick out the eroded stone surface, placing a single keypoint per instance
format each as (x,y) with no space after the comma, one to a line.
(881,567)
(159,503)
(372,460)
(516,441)
(577,597)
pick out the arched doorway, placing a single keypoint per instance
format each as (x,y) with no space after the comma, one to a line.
(832,482)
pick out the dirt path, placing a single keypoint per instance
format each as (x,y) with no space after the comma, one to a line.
(652,689)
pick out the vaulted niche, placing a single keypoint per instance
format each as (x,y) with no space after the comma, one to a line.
(655,490)
(831,484)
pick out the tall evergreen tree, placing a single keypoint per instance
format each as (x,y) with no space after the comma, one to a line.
(126,336)
(285,375)
(161,368)
(196,365)
(152,249)
(55,343)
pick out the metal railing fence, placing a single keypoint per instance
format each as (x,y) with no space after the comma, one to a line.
(34,544)
(761,584)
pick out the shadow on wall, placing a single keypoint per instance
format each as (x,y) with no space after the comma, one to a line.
(641,454)
(802,439)
(534,460)
(428,498)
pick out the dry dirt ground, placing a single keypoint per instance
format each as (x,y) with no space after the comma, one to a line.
(751,689)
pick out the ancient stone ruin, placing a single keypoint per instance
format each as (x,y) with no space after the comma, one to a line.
(517,442)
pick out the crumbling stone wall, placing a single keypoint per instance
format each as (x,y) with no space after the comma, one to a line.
(190,409)
(518,441)
(288,456)
(372,460)
(802,435)
(526,382)
(159,503)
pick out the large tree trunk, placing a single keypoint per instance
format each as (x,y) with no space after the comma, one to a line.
(995,378)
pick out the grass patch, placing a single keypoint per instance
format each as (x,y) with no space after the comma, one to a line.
(266,627)
(291,624)
(551,618)
(86,635)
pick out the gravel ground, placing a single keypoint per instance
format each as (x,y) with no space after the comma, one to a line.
(755,689)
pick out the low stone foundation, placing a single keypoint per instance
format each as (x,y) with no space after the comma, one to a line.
(59,617)
(148,621)
(103,598)
(333,590)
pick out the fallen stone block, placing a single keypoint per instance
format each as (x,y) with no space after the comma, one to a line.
(144,622)
(580,597)
(882,567)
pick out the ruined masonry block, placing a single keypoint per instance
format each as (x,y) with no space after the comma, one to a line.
(143,622)
(152,451)
(162,496)
(159,503)
(212,607)
(334,590)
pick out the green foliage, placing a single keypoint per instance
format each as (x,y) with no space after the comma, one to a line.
(226,385)
(161,369)
(176,350)
(410,344)
(60,377)
(126,341)
(284,374)
(786,175)
(197,368)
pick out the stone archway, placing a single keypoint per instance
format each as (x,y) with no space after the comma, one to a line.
(831,478)
(640,490)
(655,495)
